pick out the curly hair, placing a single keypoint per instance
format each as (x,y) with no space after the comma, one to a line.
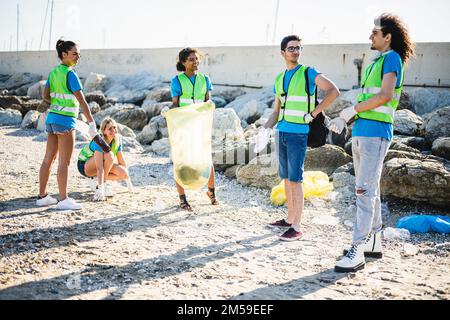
(401,41)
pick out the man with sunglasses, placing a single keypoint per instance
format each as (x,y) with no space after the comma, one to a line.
(293,111)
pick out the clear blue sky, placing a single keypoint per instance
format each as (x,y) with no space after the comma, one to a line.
(175,23)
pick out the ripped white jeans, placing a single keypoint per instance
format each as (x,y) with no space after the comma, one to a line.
(368,157)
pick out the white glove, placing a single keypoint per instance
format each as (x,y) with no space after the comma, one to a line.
(100,193)
(262,138)
(164,111)
(308,117)
(337,125)
(348,113)
(92,129)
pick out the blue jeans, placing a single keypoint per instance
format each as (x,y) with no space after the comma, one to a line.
(291,150)
(368,157)
(54,128)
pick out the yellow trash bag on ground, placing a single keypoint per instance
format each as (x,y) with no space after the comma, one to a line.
(190,131)
(315,184)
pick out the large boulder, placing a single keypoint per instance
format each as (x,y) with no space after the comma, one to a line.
(30,120)
(94,107)
(130,144)
(161,147)
(96,96)
(425,100)
(95,82)
(8,101)
(326,158)
(261,172)
(219,101)
(250,107)
(418,143)
(441,148)
(153,108)
(336,107)
(159,95)
(422,180)
(19,83)
(124,131)
(127,114)
(407,123)
(226,127)
(154,130)
(230,94)
(10,117)
(437,124)
(133,88)
(36,90)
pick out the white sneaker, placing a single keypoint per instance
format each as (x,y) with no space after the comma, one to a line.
(92,182)
(108,191)
(46,201)
(353,260)
(68,204)
(372,246)
(100,193)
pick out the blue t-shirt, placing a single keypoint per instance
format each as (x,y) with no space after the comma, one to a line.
(370,128)
(95,147)
(175,86)
(283,125)
(74,85)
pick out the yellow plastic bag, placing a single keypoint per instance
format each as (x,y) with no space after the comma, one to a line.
(315,184)
(190,131)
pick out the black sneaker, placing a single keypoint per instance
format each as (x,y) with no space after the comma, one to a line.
(291,235)
(280,224)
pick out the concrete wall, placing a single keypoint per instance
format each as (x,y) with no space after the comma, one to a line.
(250,66)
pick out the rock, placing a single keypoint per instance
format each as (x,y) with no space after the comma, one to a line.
(19,83)
(252,111)
(96,96)
(219,101)
(10,117)
(153,108)
(154,130)
(251,106)
(94,107)
(404,102)
(348,147)
(127,114)
(425,100)
(326,158)
(124,131)
(231,171)
(161,147)
(30,120)
(422,180)
(407,123)
(95,82)
(391,154)
(7,101)
(160,95)
(226,127)
(130,144)
(437,124)
(441,147)
(336,107)
(396,145)
(231,94)
(348,168)
(261,172)
(343,180)
(133,88)
(36,90)
(418,143)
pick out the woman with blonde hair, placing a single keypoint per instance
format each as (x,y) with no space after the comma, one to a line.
(94,162)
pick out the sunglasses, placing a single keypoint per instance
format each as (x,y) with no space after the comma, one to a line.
(293,49)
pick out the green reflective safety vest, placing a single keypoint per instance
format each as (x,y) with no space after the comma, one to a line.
(62,100)
(86,153)
(294,102)
(370,86)
(192,92)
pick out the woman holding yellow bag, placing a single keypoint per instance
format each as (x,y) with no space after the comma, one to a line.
(188,87)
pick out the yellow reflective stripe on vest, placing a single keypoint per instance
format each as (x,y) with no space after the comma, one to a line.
(66,109)
(384,109)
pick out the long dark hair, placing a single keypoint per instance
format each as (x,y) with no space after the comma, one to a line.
(64,46)
(401,42)
(184,54)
